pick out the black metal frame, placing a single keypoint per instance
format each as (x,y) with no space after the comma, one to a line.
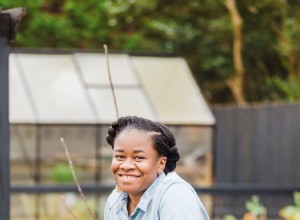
(215,190)
(9,21)
(4,130)
(4,123)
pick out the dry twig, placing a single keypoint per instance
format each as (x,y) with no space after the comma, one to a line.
(68,154)
(110,81)
(75,178)
(69,209)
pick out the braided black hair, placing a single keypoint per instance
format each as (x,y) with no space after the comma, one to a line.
(164,141)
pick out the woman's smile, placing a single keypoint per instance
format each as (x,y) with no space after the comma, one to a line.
(128,177)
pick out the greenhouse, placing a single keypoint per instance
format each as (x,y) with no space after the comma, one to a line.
(54,95)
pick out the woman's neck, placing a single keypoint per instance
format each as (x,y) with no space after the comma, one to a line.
(132,203)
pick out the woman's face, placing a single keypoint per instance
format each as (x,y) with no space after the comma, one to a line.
(135,164)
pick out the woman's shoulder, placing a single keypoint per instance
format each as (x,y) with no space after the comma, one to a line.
(173,184)
(173,178)
(179,200)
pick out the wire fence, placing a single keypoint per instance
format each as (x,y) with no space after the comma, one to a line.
(218,200)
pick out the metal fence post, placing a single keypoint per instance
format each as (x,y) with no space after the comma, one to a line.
(9,21)
(4,131)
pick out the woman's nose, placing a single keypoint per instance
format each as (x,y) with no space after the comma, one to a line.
(127,164)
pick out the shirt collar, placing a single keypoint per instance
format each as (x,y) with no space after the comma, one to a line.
(146,198)
(148,194)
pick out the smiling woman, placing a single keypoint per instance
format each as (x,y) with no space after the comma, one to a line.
(144,159)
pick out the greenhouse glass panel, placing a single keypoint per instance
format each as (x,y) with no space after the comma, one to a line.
(56,88)
(172,90)
(23,153)
(95,72)
(18,98)
(130,102)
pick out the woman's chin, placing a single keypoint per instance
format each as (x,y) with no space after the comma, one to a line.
(128,189)
(132,190)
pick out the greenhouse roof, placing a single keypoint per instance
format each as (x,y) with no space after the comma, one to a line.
(74,88)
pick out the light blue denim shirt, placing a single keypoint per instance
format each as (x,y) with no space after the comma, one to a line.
(168,198)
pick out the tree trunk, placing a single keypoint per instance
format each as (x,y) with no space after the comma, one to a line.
(235,83)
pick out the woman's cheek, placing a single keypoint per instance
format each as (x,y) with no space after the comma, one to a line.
(115,165)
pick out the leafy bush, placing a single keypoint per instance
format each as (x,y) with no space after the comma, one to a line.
(254,210)
(229,217)
(255,207)
(61,173)
(283,89)
(292,212)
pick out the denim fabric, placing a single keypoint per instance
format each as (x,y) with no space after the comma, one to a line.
(168,198)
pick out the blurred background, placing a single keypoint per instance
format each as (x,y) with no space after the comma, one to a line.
(224,75)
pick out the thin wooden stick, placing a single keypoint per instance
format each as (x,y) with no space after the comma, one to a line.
(110,81)
(69,209)
(75,178)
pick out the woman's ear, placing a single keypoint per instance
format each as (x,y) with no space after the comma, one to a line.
(161,164)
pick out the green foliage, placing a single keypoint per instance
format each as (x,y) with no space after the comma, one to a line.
(255,207)
(200,31)
(297,199)
(280,89)
(229,217)
(254,210)
(61,173)
(292,212)
(81,210)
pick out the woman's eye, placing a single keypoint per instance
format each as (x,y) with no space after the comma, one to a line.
(139,158)
(119,157)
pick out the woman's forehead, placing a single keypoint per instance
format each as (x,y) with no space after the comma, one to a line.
(134,141)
